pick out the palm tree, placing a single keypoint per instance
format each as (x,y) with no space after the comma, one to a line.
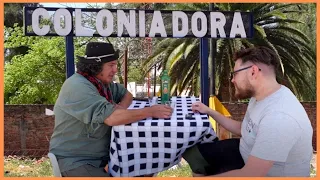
(273,28)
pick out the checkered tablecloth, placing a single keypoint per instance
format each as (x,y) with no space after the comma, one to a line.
(153,145)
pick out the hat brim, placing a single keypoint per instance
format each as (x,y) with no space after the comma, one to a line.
(97,60)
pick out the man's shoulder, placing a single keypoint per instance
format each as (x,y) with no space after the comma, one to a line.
(77,81)
(282,101)
(77,78)
(282,105)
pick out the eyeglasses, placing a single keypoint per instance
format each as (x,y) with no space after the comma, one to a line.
(236,71)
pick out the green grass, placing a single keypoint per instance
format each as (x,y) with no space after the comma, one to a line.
(15,166)
(183,171)
(313,172)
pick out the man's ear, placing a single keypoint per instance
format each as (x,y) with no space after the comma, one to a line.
(254,70)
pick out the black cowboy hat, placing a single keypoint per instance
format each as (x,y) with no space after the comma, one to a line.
(99,52)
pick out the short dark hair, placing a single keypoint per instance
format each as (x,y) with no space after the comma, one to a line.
(92,69)
(258,55)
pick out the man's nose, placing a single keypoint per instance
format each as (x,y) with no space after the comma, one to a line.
(115,68)
(232,79)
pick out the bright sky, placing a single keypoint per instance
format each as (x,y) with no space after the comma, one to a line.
(73,5)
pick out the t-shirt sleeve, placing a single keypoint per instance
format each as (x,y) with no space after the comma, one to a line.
(118,91)
(276,136)
(83,101)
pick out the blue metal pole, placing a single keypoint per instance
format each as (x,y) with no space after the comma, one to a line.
(70,56)
(204,71)
(70,51)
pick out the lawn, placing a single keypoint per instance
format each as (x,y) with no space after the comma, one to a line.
(15,166)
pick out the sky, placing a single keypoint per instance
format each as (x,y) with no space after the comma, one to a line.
(73,5)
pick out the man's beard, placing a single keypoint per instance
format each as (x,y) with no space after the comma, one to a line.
(244,93)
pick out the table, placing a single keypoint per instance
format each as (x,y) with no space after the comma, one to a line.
(153,145)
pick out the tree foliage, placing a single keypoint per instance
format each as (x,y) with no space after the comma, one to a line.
(274,26)
(13,14)
(36,77)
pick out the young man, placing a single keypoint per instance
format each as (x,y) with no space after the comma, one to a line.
(89,104)
(276,133)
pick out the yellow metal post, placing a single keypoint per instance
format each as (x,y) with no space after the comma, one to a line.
(216,105)
(212,106)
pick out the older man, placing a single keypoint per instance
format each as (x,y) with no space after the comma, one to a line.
(89,104)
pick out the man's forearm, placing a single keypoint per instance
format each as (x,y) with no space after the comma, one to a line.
(229,124)
(126,116)
(242,173)
(126,100)
(233,173)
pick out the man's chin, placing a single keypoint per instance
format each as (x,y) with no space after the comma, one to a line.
(238,96)
(107,81)
(241,96)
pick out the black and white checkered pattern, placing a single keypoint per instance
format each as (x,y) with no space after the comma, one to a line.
(153,145)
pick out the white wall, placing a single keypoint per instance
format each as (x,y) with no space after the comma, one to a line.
(140,90)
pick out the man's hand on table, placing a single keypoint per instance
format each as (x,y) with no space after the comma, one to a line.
(200,107)
(161,111)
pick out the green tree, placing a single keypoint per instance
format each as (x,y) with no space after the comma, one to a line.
(13,14)
(36,77)
(274,26)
